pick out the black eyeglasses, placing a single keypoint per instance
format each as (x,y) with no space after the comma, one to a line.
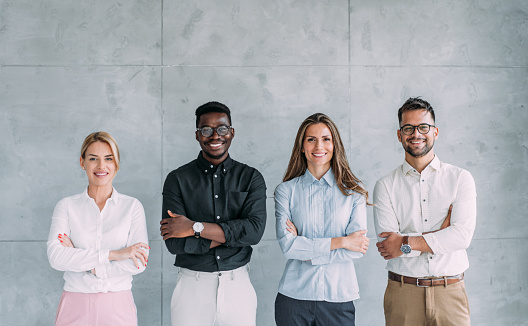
(208,131)
(423,128)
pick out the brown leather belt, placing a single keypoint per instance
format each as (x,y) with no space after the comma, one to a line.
(426,282)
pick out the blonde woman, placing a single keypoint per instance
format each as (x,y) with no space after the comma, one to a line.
(321,222)
(99,239)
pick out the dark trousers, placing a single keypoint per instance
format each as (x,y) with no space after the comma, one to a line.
(293,312)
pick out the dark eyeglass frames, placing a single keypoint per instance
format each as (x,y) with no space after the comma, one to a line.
(208,131)
(423,128)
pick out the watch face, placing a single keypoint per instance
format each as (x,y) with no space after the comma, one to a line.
(406,249)
(198,227)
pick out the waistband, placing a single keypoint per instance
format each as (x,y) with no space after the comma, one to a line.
(426,281)
(213,275)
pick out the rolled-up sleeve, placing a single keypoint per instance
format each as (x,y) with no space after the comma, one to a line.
(249,228)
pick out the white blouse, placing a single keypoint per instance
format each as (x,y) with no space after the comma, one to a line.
(94,233)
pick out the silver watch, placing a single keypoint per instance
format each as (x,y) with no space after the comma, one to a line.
(198,228)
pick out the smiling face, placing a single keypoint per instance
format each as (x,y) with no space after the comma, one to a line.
(418,145)
(318,148)
(215,148)
(99,164)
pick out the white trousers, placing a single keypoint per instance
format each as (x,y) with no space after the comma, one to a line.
(224,298)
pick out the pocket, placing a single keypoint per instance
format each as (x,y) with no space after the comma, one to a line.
(60,308)
(235,203)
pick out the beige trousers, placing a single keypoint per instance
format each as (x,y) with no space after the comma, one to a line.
(214,299)
(410,305)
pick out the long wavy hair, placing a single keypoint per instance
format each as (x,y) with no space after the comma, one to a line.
(346,180)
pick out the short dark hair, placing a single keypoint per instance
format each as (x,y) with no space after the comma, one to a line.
(415,103)
(212,107)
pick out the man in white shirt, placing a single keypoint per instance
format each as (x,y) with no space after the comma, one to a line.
(424,214)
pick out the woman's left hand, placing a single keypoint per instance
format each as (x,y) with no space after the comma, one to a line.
(65,241)
(291,228)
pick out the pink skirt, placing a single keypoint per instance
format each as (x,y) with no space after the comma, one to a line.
(96,309)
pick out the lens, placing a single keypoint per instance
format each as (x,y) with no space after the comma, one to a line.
(423,129)
(408,129)
(207,131)
(222,131)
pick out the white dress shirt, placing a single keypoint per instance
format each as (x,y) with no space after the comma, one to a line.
(94,233)
(411,203)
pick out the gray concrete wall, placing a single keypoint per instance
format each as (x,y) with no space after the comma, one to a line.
(139,68)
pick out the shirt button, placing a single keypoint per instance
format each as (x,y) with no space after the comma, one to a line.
(424,200)
(216,176)
(219,274)
(205,171)
(423,180)
(224,170)
(216,196)
(212,166)
(217,257)
(426,220)
(430,257)
(218,217)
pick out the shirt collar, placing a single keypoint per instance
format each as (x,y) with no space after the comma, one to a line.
(207,167)
(434,164)
(114,196)
(308,179)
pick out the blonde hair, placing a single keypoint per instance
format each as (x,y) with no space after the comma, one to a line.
(345,179)
(103,137)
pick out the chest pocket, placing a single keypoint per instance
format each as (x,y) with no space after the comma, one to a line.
(235,203)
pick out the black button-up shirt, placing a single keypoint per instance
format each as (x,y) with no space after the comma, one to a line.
(232,195)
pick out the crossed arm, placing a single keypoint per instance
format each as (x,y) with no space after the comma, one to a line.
(454,234)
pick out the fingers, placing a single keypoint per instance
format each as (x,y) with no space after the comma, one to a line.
(384,234)
(135,261)
(65,240)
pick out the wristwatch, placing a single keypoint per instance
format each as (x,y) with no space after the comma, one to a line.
(197,227)
(405,247)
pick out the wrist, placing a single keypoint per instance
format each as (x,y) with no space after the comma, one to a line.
(336,243)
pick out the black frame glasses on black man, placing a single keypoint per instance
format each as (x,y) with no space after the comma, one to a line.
(220,130)
(423,128)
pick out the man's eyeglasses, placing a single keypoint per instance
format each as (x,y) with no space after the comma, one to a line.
(423,128)
(208,131)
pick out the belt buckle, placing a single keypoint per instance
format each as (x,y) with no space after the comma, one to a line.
(422,286)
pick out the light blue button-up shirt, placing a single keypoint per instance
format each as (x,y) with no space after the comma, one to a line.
(320,212)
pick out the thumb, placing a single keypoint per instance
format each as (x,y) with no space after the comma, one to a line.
(384,234)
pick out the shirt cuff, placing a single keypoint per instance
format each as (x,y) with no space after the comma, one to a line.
(321,250)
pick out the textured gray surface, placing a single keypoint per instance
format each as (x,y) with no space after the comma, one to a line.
(138,69)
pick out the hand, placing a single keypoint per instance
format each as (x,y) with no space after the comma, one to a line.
(390,247)
(65,241)
(133,252)
(446,222)
(291,228)
(356,241)
(178,226)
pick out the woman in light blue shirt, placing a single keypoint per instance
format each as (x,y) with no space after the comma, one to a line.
(321,222)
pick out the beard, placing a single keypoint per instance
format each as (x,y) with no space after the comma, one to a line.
(419,152)
(213,156)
